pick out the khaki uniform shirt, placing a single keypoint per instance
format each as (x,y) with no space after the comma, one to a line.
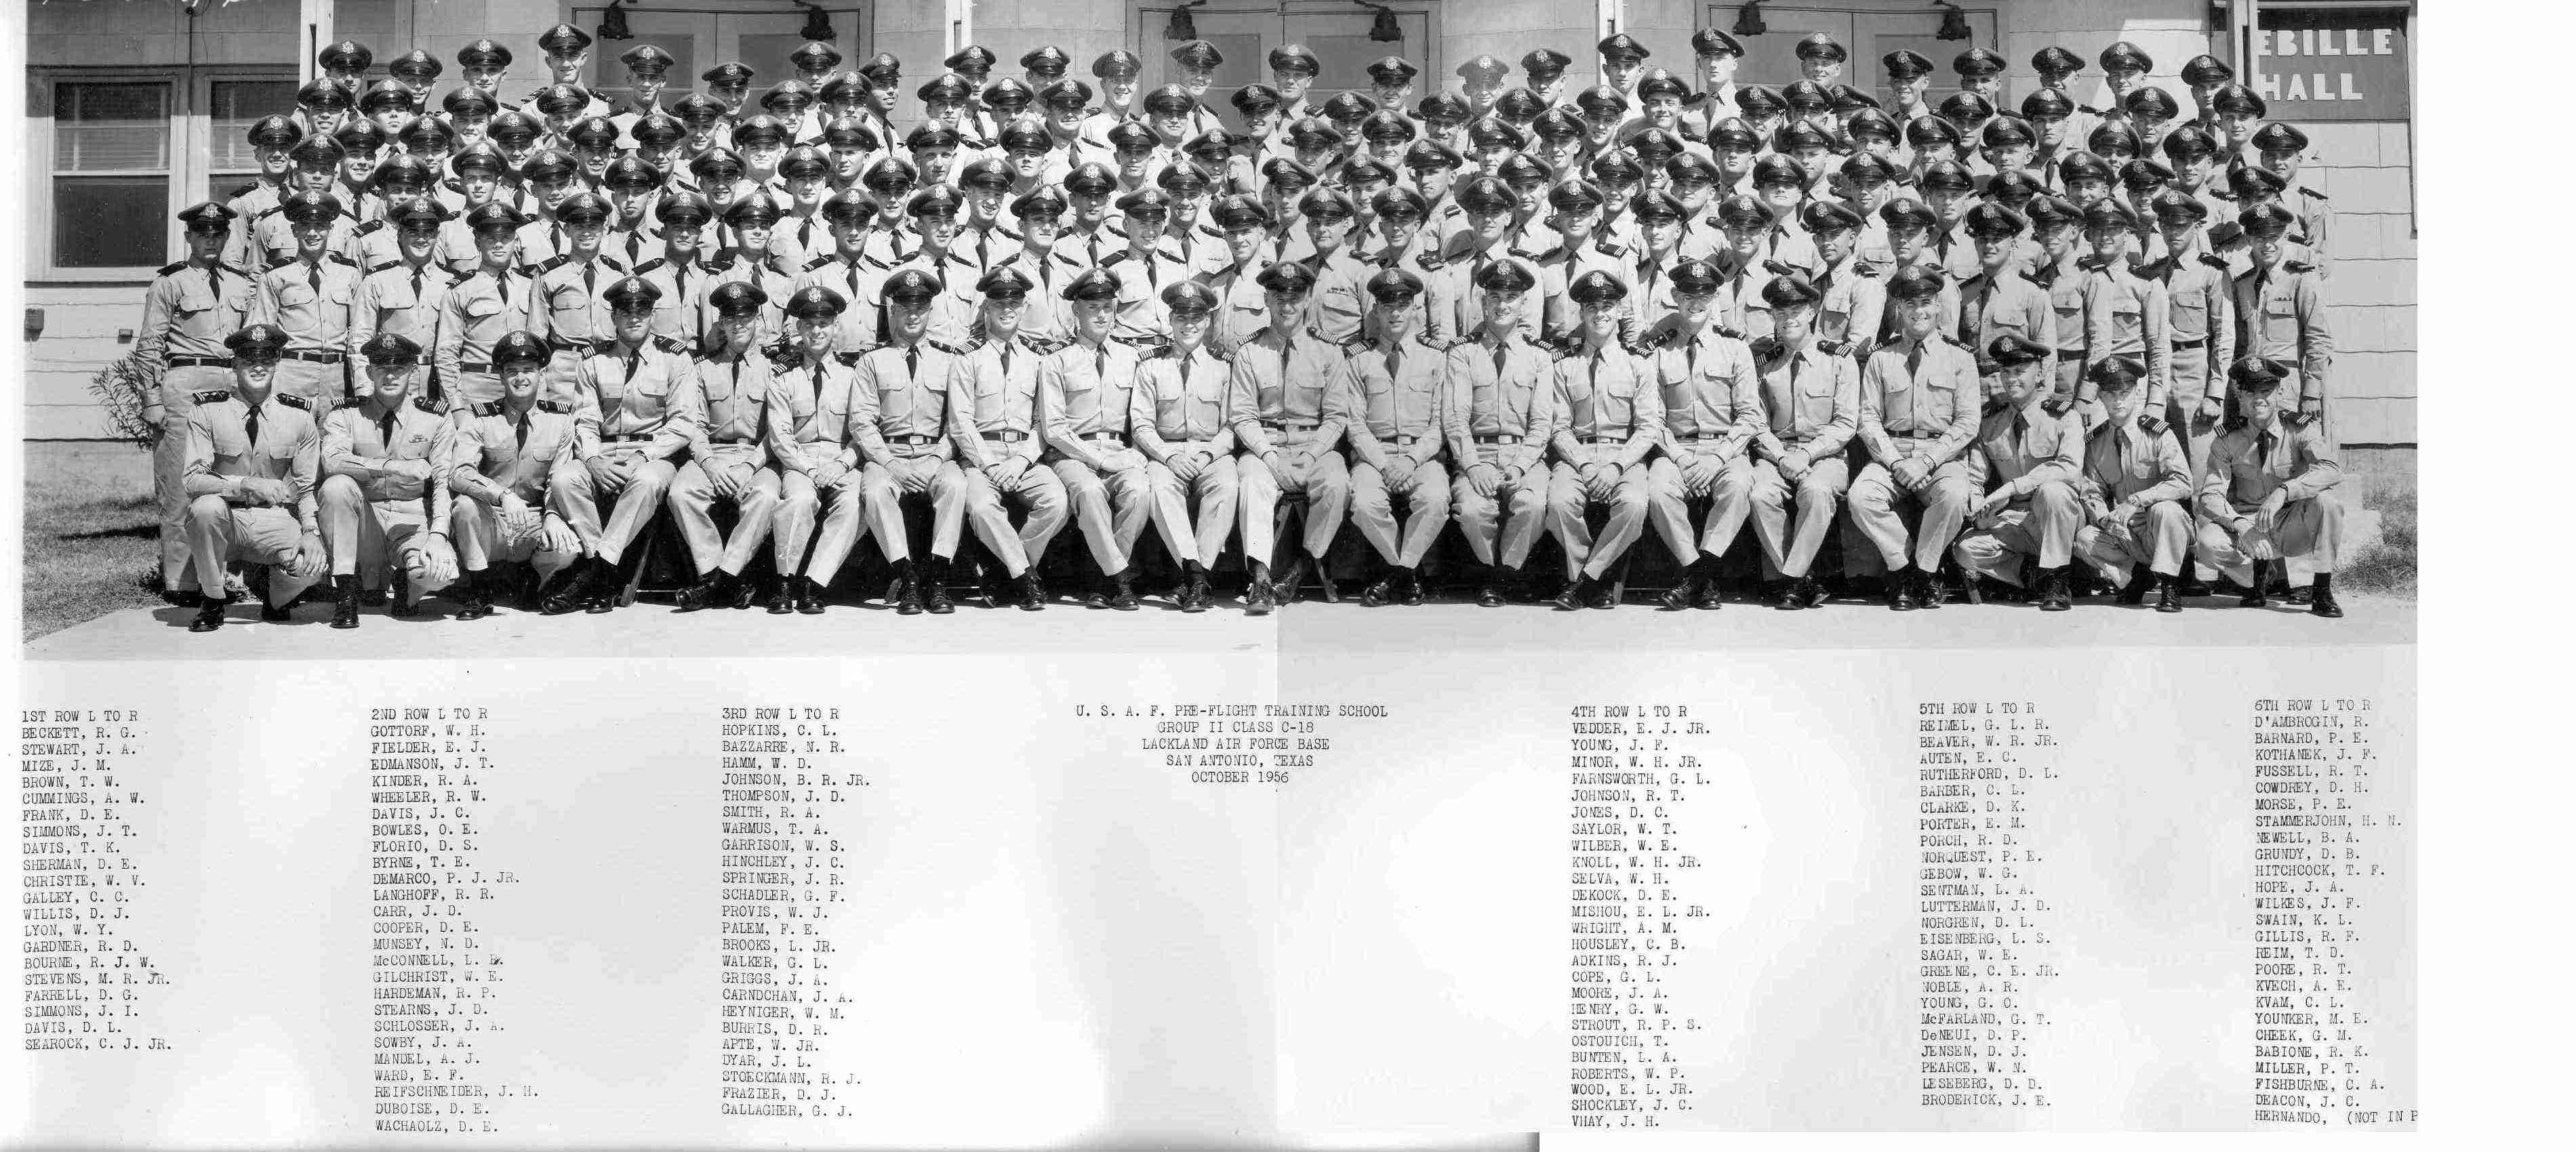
(230,440)
(352,440)
(1180,400)
(1398,393)
(1810,401)
(1501,393)
(1928,410)
(1287,392)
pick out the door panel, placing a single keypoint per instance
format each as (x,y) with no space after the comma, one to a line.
(1876,35)
(1771,59)
(1339,38)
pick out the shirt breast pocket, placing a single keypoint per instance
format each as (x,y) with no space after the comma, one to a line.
(2128,317)
(2190,313)
(277,459)
(481,308)
(1940,400)
(396,298)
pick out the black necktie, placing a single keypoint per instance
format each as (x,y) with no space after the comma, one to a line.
(1100,364)
(215,279)
(313,276)
(1501,353)
(385,428)
(1914,359)
(912,364)
(250,426)
(501,280)
(2263,450)
(415,286)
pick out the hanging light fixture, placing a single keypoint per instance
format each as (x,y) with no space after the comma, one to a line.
(612,23)
(1954,21)
(1748,19)
(1384,29)
(818,26)
(1182,25)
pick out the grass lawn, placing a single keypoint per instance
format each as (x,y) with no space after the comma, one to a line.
(2387,565)
(92,533)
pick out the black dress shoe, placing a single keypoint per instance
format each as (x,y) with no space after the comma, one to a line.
(1258,599)
(2192,585)
(1710,597)
(607,583)
(2168,595)
(696,596)
(344,602)
(2321,597)
(270,614)
(1900,591)
(782,594)
(1678,597)
(1124,598)
(2258,593)
(745,591)
(2134,592)
(1194,591)
(934,592)
(1413,594)
(566,590)
(189,598)
(1033,595)
(1571,597)
(401,606)
(2054,595)
(210,615)
(1378,593)
(1931,589)
(1605,596)
(809,597)
(1812,593)
(1490,596)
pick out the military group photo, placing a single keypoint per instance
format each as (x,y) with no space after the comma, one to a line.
(975,334)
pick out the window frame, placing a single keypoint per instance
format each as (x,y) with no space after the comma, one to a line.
(201,144)
(189,170)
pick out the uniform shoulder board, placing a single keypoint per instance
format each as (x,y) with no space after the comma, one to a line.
(1358,344)
(1865,268)
(2089,111)
(342,259)
(611,261)
(779,363)
(2214,260)
(1428,262)
(1115,257)
(1542,257)
(1828,347)
(171,268)
(848,359)
(670,344)
(372,269)
(650,265)
(292,400)
(557,407)
(267,212)
(1952,340)
(1424,339)
(369,226)
(216,396)
(950,349)
(2311,192)
(2295,238)
(1516,253)
(1713,222)
(428,405)
(555,261)
(818,262)
(1610,249)
(719,264)
(529,269)
(2297,266)
(242,191)
(491,409)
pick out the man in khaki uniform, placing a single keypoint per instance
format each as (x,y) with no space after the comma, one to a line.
(571,287)
(2200,325)
(1711,395)
(2267,497)
(2134,485)
(404,297)
(495,300)
(728,459)
(2281,314)
(386,462)
(508,457)
(1177,414)
(1398,384)
(1811,411)
(2032,460)
(251,457)
(1084,392)
(1610,416)
(1918,416)
(189,312)
(998,386)
(906,428)
(309,299)
(810,398)
(1498,419)
(1286,393)
(634,417)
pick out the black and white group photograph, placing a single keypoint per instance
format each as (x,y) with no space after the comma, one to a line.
(1749,321)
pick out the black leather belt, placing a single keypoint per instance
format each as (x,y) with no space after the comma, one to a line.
(735,440)
(2070,354)
(315,357)
(911,441)
(1402,441)
(1495,439)
(470,366)
(1290,425)
(633,439)
(1704,437)
(198,362)
(1917,434)
(1104,437)
(1602,439)
(2188,345)
(1006,437)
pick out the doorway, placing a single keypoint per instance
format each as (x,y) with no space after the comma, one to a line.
(699,38)
(1338,32)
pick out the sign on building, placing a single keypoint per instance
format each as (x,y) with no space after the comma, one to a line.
(2313,64)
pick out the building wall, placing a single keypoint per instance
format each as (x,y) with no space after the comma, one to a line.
(2364,168)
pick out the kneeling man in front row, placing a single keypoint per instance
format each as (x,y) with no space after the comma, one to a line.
(2267,496)
(2028,460)
(248,470)
(385,475)
(2134,486)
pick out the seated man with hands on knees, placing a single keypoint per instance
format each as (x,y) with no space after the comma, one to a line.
(510,456)
(2134,487)
(385,476)
(2267,496)
(2031,458)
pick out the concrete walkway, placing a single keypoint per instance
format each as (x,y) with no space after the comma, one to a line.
(653,631)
